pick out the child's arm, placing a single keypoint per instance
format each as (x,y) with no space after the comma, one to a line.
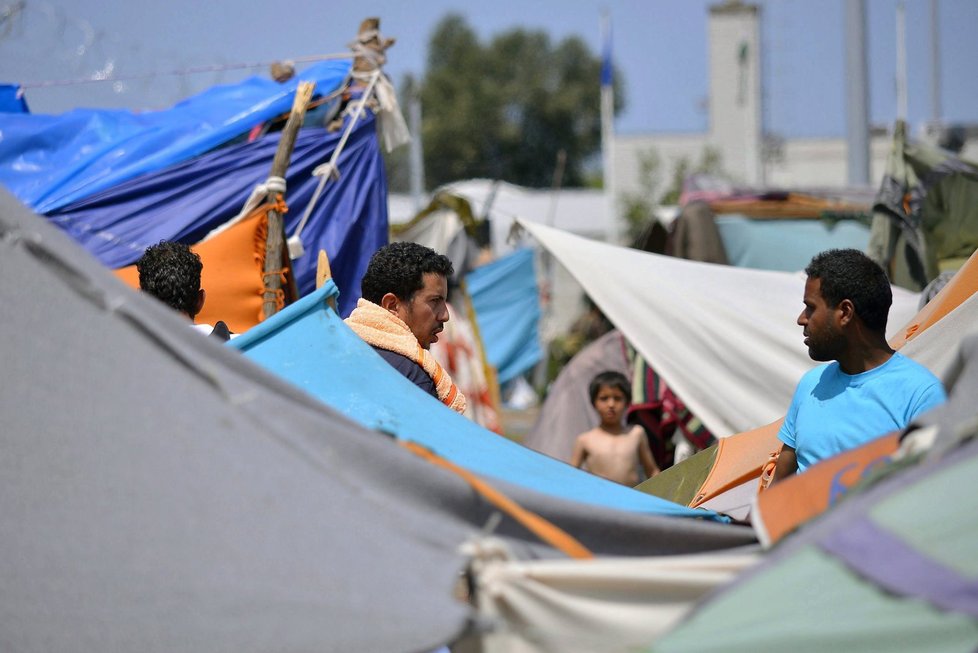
(580,452)
(645,454)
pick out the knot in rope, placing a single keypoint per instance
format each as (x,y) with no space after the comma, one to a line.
(274,185)
(278,205)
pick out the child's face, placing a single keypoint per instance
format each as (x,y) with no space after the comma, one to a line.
(610,403)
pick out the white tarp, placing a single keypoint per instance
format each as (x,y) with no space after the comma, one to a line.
(609,604)
(724,338)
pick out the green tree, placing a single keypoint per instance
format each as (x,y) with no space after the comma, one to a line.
(639,206)
(504,109)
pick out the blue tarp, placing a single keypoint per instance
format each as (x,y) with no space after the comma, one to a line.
(50,161)
(12,100)
(308,344)
(186,201)
(507,307)
(785,245)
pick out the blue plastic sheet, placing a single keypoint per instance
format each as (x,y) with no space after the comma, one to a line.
(785,245)
(307,344)
(186,201)
(51,161)
(12,99)
(507,307)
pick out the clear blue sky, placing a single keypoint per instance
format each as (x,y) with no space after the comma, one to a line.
(660,47)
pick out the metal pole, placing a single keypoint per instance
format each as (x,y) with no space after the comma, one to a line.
(901,61)
(857,94)
(416,153)
(617,231)
(935,63)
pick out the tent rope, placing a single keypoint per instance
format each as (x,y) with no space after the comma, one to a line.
(329,170)
(546,531)
(255,205)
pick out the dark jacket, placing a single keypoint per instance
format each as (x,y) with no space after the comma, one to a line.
(411,370)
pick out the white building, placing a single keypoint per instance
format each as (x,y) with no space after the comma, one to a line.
(736,128)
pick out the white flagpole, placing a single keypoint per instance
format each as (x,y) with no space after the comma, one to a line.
(617,230)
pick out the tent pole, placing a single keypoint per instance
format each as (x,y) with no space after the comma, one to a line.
(275,250)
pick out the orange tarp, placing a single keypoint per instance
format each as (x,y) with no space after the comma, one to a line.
(798,498)
(232,274)
(739,458)
(795,205)
(961,286)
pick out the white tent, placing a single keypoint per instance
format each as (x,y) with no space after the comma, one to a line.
(724,338)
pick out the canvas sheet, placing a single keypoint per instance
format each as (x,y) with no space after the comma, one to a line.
(611,604)
(724,338)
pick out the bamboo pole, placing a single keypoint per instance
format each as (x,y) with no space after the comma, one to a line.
(275,252)
(324,274)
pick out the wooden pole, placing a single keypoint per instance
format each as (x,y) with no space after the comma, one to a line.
(275,252)
(324,274)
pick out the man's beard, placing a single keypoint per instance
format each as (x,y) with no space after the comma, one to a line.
(826,348)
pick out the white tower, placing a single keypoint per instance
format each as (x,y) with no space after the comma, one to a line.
(736,127)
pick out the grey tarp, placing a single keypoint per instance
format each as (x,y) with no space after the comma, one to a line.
(161,492)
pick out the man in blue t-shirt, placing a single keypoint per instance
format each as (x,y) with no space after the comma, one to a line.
(868,389)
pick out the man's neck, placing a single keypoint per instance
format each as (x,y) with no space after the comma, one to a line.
(864,359)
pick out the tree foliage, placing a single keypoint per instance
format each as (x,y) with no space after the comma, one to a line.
(504,109)
(638,207)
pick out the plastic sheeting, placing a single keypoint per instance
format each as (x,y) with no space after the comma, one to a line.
(51,161)
(186,201)
(507,307)
(308,345)
(12,99)
(307,337)
(610,604)
(159,492)
(786,245)
(724,338)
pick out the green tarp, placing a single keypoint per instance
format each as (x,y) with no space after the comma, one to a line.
(925,218)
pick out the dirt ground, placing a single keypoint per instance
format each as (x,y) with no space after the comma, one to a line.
(517,423)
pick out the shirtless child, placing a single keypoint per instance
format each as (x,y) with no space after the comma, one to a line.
(609,450)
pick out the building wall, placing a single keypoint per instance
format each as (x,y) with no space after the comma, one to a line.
(735,88)
(736,128)
(822,162)
(803,162)
(670,148)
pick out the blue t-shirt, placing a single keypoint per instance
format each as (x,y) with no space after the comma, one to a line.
(832,411)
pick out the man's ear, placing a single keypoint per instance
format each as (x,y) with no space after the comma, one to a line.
(390,302)
(847,311)
(201,296)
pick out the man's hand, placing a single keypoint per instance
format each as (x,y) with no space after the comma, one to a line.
(787,464)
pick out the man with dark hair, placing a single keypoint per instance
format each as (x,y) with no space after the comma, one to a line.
(170,272)
(403,308)
(868,389)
